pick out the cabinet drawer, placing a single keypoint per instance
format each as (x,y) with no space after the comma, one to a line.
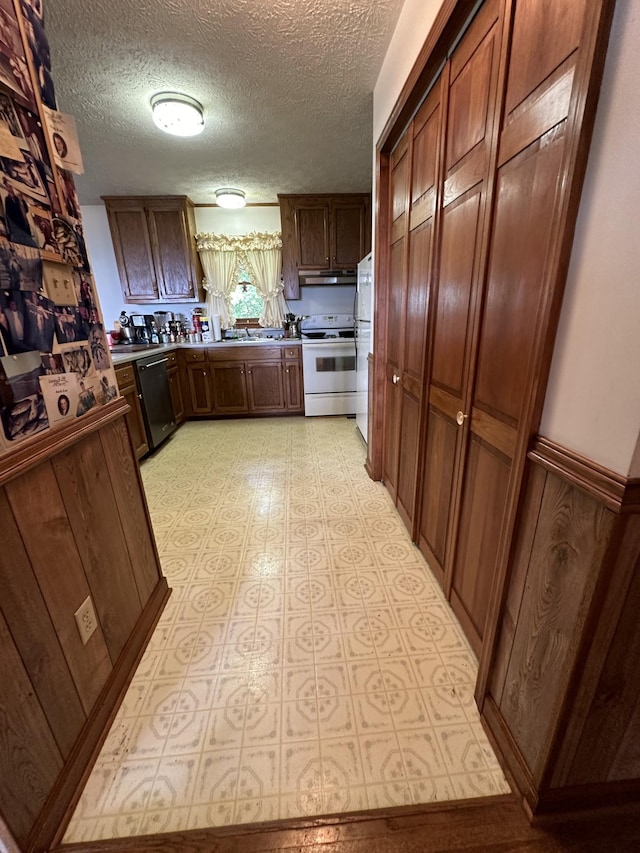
(125,376)
(292,352)
(172,359)
(195,355)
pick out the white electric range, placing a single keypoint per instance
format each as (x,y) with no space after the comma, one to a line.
(328,364)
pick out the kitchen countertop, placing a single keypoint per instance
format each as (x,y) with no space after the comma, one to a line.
(257,343)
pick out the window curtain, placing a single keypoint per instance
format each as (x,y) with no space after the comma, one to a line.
(220,264)
(263,261)
(223,257)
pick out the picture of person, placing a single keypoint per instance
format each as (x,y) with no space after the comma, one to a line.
(99,347)
(52,364)
(78,361)
(67,324)
(71,203)
(20,268)
(110,392)
(43,230)
(39,44)
(86,400)
(15,215)
(60,145)
(8,115)
(66,237)
(25,418)
(63,404)
(27,174)
(40,321)
(12,307)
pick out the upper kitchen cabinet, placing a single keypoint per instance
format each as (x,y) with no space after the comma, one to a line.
(321,232)
(153,240)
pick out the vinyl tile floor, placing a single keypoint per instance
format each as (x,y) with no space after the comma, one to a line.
(306,663)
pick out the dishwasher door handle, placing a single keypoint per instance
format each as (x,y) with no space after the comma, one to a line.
(153,363)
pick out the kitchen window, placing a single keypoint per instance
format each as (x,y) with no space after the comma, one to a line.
(246,302)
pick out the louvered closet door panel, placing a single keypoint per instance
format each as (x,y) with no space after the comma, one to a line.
(529,179)
(424,168)
(471,77)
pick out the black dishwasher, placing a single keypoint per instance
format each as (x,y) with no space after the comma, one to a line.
(155,397)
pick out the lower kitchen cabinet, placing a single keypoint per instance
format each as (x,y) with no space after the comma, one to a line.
(293,390)
(265,386)
(199,388)
(237,381)
(228,380)
(126,379)
(175,387)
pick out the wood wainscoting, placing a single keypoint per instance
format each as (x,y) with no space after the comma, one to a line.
(563,693)
(73,522)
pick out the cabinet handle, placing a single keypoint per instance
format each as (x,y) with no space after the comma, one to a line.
(204,372)
(287,370)
(395,379)
(460,418)
(139,396)
(242,373)
(249,372)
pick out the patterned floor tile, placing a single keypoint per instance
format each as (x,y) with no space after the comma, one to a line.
(307,662)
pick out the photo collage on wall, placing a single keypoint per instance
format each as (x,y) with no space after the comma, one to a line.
(54,357)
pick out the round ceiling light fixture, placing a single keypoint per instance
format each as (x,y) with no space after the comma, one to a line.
(177,114)
(230,198)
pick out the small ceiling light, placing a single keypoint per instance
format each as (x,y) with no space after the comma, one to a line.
(230,198)
(177,114)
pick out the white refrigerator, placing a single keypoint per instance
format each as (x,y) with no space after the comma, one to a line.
(363,321)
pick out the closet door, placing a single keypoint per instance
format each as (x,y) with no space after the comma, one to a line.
(423,197)
(471,78)
(399,204)
(535,168)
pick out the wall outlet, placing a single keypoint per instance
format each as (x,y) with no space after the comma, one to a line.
(86,620)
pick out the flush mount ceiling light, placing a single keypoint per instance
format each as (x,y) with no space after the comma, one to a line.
(230,198)
(177,114)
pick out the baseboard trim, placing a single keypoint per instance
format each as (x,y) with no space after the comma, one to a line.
(62,800)
(509,756)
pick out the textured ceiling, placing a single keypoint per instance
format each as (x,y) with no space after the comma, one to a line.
(286,86)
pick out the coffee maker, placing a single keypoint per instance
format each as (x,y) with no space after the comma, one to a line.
(144,327)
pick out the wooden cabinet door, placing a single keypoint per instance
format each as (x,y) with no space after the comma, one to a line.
(170,241)
(132,247)
(525,259)
(135,421)
(312,236)
(471,78)
(229,384)
(176,394)
(293,386)
(198,376)
(348,234)
(265,386)
(425,135)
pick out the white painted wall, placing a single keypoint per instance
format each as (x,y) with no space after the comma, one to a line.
(593,400)
(412,29)
(593,397)
(314,300)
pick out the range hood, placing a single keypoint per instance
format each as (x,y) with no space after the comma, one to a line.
(327,277)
